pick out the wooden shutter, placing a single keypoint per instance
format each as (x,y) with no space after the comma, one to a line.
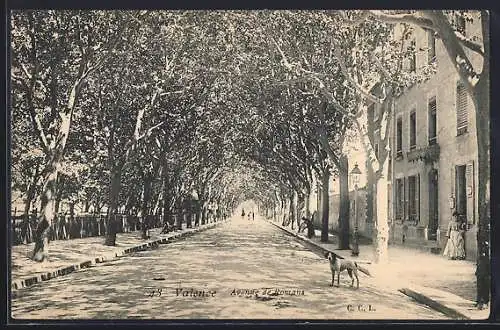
(389,201)
(432,119)
(461,108)
(417,197)
(405,198)
(452,187)
(470,191)
(431,47)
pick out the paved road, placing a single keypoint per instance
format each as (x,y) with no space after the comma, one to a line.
(214,265)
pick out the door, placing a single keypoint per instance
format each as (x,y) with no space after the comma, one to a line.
(461,192)
(433,205)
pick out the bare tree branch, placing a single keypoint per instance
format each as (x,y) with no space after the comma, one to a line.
(469,43)
(344,70)
(356,21)
(455,51)
(413,19)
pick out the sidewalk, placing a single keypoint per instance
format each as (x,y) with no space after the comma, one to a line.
(442,284)
(67,256)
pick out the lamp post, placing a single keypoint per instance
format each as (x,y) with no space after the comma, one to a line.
(355,174)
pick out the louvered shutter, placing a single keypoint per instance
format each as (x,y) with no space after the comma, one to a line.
(389,201)
(452,187)
(470,190)
(431,47)
(462,119)
(417,196)
(432,120)
(405,199)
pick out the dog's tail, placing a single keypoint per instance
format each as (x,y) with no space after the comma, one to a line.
(363,269)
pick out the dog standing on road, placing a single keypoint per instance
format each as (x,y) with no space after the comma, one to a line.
(339,265)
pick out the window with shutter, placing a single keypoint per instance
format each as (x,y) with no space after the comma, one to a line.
(469,181)
(413,199)
(432,121)
(431,47)
(417,207)
(399,137)
(412,56)
(389,201)
(413,130)
(405,204)
(399,199)
(462,119)
(452,187)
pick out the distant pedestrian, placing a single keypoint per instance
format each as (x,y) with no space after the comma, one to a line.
(253,216)
(455,247)
(243,213)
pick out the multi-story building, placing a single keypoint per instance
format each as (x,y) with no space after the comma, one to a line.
(433,148)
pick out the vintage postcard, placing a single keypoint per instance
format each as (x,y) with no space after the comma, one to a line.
(249,164)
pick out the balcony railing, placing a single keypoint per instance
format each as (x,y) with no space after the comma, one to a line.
(427,154)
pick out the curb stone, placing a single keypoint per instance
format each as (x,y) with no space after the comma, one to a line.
(412,293)
(316,245)
(20,284)
(421,298)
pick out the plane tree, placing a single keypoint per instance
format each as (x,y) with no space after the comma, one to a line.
(53,54)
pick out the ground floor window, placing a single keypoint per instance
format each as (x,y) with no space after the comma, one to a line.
(399,199)
(413,199)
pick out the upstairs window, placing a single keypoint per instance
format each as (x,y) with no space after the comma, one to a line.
(432,121)
(413,130)
(462,120)
(431,47)
(399,137)
(412,56)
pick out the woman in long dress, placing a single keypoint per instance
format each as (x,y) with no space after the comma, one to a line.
(455,247)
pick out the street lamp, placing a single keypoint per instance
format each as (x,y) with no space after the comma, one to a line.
(355,174)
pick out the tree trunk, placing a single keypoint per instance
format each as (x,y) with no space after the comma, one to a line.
(483,271)
(111,221)
(42,232)
(145,207)
(30,196)
(382,240)
(204,214)
(325,205)
(293,208)
(344,204)
(167,215)
(307,202)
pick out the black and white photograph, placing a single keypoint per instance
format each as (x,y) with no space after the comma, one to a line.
(249,164)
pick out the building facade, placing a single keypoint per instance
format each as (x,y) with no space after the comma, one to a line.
(434,149)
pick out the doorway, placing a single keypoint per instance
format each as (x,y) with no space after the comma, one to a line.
(461,192)
(433,205)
